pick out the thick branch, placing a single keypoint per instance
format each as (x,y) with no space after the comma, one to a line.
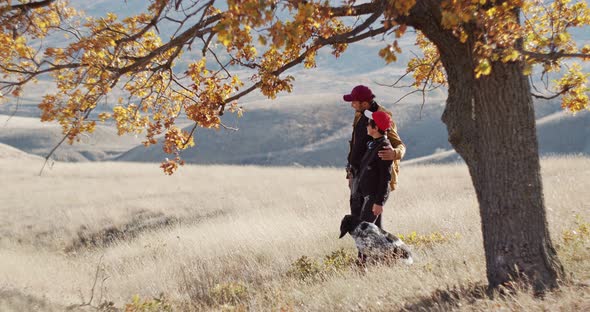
(356,10)
(196,30)
(554,56)
(341,38)
(31,5)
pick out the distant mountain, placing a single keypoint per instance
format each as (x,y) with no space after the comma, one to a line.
(294,130)
(31,136)
(440,157)
(558,133)
(562,133)
(318,134)
(310,135)
(8,152)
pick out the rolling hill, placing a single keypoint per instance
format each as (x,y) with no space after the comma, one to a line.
(293,130)
(317,135)
(309,135)
(558,133)
(34,137)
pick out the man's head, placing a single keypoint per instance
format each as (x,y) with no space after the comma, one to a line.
(379,123)
(360,98)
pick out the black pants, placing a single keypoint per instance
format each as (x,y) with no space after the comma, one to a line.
(363,208)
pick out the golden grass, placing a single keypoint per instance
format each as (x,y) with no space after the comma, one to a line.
(224,238)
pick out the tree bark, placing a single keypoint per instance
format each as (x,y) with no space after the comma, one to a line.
(491,124)
(503,160)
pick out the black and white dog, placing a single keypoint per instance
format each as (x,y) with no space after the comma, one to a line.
(374,242)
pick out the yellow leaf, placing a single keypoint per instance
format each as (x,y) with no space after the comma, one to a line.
(483,68)
(528,69)
(562,38)
(463,37)
(510,56)
(388,54)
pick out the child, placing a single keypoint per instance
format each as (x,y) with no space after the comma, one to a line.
(374,173)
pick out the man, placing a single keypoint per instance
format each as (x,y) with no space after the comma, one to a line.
(362,99)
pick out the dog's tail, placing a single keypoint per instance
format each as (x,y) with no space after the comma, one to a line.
(401,250)
(408,260)
(406,254)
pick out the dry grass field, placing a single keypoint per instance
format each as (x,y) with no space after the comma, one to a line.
(228,238)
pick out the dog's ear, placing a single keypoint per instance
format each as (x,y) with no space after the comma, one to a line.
(344,225)
(348,224)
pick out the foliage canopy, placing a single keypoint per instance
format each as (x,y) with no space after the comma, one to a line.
(139,57)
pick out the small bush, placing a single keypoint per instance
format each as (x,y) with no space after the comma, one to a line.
(230,293)
(576,242)
(579,235)
(310,270)
(339,260)
(148,305)
(306,269)
(428,240)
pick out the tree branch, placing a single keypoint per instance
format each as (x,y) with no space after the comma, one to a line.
(31,5)
(355,10)
(539,96)
(554,55)
(53,151)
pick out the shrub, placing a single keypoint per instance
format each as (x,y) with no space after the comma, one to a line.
(576,242)
(310,270)
(305,269)
(339,260)
(579,235)
(230,293)
(428,240)
(160,304)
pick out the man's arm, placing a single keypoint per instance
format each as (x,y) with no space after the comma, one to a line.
(397,149)
(382,192)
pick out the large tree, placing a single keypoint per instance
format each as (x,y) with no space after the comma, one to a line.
(485,51)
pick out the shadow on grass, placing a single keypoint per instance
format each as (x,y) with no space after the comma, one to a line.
(449,298)
(141,222)
(14,300)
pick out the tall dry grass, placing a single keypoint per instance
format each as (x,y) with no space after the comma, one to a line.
(225,238)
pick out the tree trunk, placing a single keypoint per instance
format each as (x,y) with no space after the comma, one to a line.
(503,160)
(491,124)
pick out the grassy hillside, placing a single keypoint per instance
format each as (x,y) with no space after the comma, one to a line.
(231,237)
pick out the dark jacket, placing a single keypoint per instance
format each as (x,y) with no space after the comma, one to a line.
(358,143)
(375,173)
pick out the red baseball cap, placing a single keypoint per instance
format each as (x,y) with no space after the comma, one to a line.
(359,93)
(382,119)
